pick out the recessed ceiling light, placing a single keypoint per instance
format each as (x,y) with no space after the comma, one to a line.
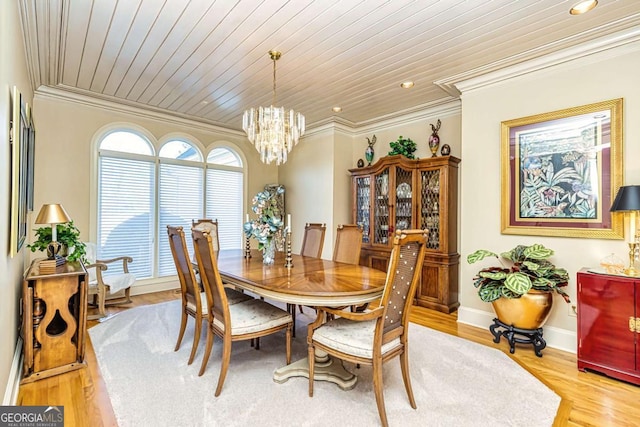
(583,7)
(406,85)
(204,102)
(337,109)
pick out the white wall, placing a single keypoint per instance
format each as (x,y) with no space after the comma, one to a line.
(607,75)
(13,72)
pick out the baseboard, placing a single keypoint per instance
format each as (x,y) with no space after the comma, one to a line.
(13,382)
(147,288)
(562,339)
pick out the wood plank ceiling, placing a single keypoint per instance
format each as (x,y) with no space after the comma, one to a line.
(207,60)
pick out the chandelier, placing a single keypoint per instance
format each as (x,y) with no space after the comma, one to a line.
(273,130)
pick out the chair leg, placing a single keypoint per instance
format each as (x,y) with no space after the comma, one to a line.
(288,338)
(183,326)
(377,388)
(312,358)
(404,365)
(196,339)
(207,352)
(127,295)
(291,309)
(226,355)
(102,295)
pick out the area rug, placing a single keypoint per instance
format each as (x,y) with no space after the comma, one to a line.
(456,382)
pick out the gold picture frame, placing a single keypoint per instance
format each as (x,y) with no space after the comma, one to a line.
(20,136)
(561,171)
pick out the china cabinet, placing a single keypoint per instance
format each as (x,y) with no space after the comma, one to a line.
(609,325)
(398,193)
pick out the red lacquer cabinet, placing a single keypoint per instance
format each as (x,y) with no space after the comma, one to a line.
(609,325)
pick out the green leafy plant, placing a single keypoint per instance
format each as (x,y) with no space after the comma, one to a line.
(404,146)
(529,269)
(68,236)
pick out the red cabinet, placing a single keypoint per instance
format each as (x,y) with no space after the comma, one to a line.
(609,325)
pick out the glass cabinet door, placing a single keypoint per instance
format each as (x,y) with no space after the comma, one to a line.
(381,208)
(363,202)
(429,206)
(404,199)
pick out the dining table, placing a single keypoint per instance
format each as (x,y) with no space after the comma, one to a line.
(305,281)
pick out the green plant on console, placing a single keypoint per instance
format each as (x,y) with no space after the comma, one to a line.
(404,146)
(529,269)
(68,236)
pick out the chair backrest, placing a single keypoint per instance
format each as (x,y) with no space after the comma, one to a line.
(348,244)
(403,276)
(313,240)
(186,275)
(211,280)
(210,226)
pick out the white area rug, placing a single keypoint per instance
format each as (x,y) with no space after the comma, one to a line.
(455,382)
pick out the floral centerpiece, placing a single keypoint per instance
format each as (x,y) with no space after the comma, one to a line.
(267,227)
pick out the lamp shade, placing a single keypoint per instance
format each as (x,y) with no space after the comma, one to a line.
(52,214)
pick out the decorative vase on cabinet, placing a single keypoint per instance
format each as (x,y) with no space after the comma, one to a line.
(399,193)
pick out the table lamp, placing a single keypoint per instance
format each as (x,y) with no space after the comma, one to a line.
(53,214)
(628,201)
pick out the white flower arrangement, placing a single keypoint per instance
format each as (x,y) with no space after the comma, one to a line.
(269,223)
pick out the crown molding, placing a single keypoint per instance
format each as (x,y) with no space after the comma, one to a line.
(443,107)
(63,93)
(541,58)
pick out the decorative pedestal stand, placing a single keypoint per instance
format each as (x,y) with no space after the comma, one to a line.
(516,335)
(326,369)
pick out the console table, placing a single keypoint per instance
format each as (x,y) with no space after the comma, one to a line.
(54,320)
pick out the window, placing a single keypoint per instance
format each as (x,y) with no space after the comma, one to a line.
(140,193)
(224,195)
(126,177)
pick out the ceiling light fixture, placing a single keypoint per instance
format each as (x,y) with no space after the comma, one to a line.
(406,85)
(337,109)
(273,130)
(583,7)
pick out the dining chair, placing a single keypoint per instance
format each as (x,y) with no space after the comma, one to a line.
(109,281)
(348,244)
(210,226)
(313,240)
(193,299)
(312,244)
(243,321)
(378,335)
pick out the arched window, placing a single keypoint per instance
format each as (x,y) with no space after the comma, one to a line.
(181,196)
(126,199)
(141,192)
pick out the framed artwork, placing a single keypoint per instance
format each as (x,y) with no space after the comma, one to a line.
(561,172)
(19,172)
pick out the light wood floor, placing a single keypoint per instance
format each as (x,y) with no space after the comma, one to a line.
(589,399)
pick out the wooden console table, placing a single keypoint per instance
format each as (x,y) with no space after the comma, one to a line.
(54,320)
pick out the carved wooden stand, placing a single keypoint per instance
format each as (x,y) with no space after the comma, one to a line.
(516,335)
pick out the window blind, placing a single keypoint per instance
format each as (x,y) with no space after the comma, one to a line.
(224,202)
(125,212)
(181,200)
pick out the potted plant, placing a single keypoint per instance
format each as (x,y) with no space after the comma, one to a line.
(522,291)
(69,238)
(404,146)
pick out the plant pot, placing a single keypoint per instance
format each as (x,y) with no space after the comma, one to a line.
(530,311)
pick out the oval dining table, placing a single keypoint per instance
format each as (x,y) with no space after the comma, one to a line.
(309,281)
